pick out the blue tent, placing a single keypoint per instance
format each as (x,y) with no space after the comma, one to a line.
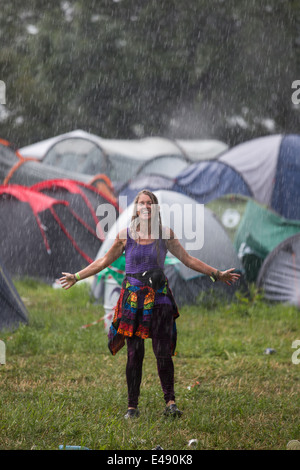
(203,182)
(266,169)
(286,193)
(206,181)
(270,166)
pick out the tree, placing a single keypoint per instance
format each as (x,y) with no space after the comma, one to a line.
(197,69)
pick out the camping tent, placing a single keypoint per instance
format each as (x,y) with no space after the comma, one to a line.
(266,169)
(152,182)
(199,232)
(25,170)
(10,160)
(139,149)
(12,309)
(206,181)
(279,275)
(270,166)
(116,162)
(260,231)
(83,199)
(119,159)
(40,236)
(170,165)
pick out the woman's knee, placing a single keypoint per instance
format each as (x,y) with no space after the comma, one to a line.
(135,349)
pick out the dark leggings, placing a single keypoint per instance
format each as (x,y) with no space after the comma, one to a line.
(161,328)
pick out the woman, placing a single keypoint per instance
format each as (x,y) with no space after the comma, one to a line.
(146,307)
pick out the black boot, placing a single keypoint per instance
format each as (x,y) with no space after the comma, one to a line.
(172,410)
(132,413)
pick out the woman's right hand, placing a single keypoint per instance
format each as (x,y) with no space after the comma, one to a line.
(67,280)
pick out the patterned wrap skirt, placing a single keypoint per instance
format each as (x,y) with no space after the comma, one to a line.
(133,314)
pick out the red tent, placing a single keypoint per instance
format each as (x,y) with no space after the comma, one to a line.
(42,236)
(83,200)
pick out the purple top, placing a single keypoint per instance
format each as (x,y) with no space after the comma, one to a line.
(140,258)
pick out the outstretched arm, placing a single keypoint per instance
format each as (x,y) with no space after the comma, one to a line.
(68,279)
(175,247)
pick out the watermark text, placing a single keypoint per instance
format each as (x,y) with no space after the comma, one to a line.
(296,94)
(2,92)
(2,353)
(295,358)
(186,221)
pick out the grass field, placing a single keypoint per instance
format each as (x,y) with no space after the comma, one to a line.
(60,385)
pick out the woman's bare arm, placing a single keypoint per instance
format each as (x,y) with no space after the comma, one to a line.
(175,247)
(68,279)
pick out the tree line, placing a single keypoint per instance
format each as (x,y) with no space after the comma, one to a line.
(133,68)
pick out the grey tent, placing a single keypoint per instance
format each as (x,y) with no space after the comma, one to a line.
(12,310)
(119,159)
(200,233)
(78,159)
(279,275)
(141,150)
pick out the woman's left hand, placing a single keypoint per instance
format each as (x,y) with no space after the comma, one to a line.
(229,277)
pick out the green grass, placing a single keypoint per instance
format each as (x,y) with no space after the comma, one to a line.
(60,385)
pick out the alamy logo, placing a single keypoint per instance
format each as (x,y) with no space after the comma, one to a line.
(2,352)
(2,92)
(295,358)
(187,222)
(296,94)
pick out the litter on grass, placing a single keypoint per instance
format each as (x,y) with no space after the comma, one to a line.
(270,351)
(193,442)
(63,447)
(293,445)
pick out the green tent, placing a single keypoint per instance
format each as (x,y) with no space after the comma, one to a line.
(259,232)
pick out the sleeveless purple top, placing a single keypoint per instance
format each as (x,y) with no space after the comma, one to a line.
(140,258)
